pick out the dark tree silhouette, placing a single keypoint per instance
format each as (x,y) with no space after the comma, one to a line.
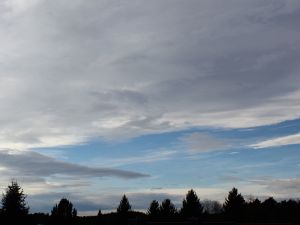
(291,209)
(253,209)
(99,214)
(212,207)
(13,201)
(191,206)
(64,209)
(269,203)
(234,204)
(270,208)
(167,208)
(153,210)
(124,205)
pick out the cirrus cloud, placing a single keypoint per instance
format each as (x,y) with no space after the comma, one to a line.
(278,141)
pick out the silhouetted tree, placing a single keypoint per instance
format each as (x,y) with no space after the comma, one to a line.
(167,208)
(13,201)
(253,209)
(191,205)
(212,207)
(153,210)
(270,208)
(64,209)
(234,204)
(124,205)
(291,209)
(99,214)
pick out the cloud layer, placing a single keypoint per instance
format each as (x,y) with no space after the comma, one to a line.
(72,71)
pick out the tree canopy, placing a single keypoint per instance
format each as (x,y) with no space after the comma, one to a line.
(191,205)
(64,209)
(167,208)
(153,209)
(234,204)
(124,205)
(13,201)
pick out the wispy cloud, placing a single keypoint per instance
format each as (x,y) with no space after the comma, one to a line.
(197,142)
(147,157)
(278,141)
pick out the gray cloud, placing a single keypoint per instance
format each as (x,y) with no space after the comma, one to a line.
(74,71)
(32,166)
(288,187)
(202,142)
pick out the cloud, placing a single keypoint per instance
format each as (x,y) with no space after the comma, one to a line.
(202,142)
(285,187)
(279,141)
(143,67)
(148,157)
(31,166)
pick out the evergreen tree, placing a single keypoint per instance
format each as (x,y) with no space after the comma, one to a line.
(153,210)
(191,205)
(13,201)
(124,205)
(234,204)
(64,209)
(167,208)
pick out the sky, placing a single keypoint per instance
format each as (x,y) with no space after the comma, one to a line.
(149,99)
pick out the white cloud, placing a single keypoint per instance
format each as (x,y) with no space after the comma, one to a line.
(278,141)
(71,71)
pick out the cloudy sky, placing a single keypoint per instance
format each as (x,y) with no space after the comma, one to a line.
(149,98)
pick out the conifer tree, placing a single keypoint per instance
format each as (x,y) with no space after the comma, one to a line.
(64,209)
(153,210)
(13,201)
(234,204)
(191,205)
(124,205)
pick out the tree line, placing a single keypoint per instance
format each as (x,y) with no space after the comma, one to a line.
(15,210)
